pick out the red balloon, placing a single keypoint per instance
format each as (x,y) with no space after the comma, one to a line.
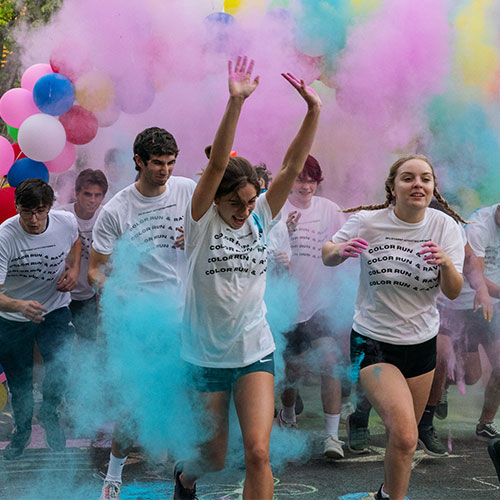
(7,203)
(80,124)
(18,154)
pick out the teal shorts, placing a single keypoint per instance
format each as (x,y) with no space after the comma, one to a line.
(205,379)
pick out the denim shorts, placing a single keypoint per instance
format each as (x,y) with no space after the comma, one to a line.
(205,379)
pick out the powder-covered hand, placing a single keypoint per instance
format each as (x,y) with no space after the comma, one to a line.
(308,94)
(353,248)
(240,79)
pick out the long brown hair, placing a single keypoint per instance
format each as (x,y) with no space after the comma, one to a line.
(389,186)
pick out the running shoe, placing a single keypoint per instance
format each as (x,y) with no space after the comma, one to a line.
(494,451)
(19,442)
(110,490)
(429,441)
(357,437)
(378,495)
(441,411)
(299,404)
(485,432)
(283,423)
(333,448)
(181,493)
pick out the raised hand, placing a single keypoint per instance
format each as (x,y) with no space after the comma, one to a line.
(433,254)
(240,80)
(312,99)
(353,248)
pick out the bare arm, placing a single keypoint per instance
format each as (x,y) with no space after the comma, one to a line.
(240,87)
(334,254)
(96,276)
(450,280)
(30,309)
(69,279)
(474,272)
(298,150)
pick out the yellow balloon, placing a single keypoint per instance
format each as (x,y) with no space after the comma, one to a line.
(95,91)
(234,6)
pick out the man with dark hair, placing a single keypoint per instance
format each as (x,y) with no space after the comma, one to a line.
(150,214)
(39,265)
(91,187)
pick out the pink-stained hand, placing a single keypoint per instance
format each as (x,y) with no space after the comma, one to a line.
(433,254)
(240,80)
(292,221)
(483,300)
(353,248)
(308,94)
(179,242)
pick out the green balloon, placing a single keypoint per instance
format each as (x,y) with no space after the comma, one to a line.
(12,132)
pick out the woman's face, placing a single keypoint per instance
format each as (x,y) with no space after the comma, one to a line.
(413,185)
(236,207)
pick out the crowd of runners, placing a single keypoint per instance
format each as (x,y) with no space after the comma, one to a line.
(428,297)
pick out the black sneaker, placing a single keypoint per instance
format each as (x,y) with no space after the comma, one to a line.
(429,441)
(299,404)
(357,437)
(19,442)
(181,493)
(485,432)
(54,433)
(494,451)
(441,410)
(378,495)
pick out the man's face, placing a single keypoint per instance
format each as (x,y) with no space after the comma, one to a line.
(157,170)
(34,220)
(89,199)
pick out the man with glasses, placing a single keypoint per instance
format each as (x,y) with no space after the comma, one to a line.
(39,264)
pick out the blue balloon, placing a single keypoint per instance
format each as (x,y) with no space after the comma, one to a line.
(54,94)
(26,168)
(220,18)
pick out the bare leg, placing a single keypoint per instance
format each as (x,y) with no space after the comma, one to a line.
(213,451)
(492,391)
(444,352)
(400,403)
(254,401)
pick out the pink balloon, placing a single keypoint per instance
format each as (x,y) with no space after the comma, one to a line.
(108,117)
(33,73)
(64,161)
(16,105)
(6,156)
(80,125)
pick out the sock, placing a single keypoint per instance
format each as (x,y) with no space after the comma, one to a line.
(383,493)
(427,417)
(115,468)
(289,414)
(332,424)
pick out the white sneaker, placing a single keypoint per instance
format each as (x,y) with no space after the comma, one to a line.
(333,447)
(110,490)
(345,411)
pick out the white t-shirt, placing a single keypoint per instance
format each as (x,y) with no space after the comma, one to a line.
(315,226)
(397,293)
(31,264)
(151,223)
(83,290)
(483,236)
(225,315)
(278,240)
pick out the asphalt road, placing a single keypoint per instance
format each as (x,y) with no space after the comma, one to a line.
(467,474)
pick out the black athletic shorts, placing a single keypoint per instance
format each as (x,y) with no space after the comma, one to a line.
(411,360)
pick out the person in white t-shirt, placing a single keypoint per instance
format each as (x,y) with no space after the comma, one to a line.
(473,319)
(226,340)
(311,344)
(408,254)
(149,214)
(39,265)
(91,187)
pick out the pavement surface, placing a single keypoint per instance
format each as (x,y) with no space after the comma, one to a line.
(466,474)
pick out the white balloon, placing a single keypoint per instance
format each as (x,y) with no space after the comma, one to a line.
(41,137)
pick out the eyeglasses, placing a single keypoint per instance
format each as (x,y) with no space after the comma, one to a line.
(39,213)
